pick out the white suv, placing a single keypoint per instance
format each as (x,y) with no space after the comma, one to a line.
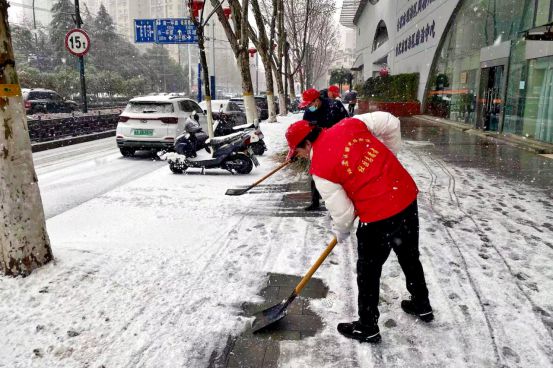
(153,122)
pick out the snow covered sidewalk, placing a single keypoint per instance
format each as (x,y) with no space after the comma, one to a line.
(154,273)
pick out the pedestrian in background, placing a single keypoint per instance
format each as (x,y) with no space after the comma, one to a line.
(351,100)
(323,113)
(334,93)
(355,169)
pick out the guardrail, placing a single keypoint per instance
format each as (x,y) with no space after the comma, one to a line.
(50,128)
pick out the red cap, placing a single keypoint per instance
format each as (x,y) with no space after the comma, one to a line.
(334,89)
(295,134)
(308,97)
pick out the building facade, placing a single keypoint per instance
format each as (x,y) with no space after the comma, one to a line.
(484,63)
(34,13)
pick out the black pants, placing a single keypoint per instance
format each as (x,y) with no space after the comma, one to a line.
(315,196)
(375,241)
(351,109)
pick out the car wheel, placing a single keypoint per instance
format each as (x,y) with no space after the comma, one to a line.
(177,169)
(125,151)
(258,147)
(240,163)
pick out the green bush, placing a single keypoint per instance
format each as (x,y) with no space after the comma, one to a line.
(394,88)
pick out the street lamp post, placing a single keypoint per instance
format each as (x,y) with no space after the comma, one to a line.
(213,92)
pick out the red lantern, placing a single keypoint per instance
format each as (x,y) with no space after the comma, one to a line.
(227,12)
(197,5)
(252,51)
(384,72)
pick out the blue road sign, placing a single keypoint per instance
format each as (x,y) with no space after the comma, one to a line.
(144,30)
(175,31)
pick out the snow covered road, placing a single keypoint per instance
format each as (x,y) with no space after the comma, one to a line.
(71,175)
(153,271)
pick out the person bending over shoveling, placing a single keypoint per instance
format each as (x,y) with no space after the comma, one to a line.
(358,175)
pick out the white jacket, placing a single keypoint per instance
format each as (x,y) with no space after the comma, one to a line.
(386,128)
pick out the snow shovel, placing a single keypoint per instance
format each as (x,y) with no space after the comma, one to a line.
(241,191)
(275,313)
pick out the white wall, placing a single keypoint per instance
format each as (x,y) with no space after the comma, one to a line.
(416,58)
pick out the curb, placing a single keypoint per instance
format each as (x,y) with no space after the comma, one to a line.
(71,141)
(534,146)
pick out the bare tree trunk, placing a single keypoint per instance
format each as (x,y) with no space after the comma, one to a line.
(289,74)
(281,46)
(264,48)
(244,60)
(24,242)
(238,40)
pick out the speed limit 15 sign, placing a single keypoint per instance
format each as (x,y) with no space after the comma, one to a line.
(77,42)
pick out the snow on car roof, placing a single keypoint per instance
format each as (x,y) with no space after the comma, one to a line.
(165,98)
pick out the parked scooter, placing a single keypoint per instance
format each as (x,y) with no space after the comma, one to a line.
(231,152)
(225,126)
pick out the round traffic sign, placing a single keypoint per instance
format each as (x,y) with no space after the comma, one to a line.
(77,42)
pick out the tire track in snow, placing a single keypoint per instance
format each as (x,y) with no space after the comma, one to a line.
(484,239)
(463,259)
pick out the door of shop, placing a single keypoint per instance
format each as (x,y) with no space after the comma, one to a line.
(491,98)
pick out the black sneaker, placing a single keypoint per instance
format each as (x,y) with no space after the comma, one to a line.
(313,207)
(422,310)
(360,332)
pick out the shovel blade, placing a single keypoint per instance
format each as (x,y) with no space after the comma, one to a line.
(236,191)
(269,316)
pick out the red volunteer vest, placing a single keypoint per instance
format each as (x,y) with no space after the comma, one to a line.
(375,181)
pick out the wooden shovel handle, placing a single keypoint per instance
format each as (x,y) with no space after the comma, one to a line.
(270,173)
(315,266)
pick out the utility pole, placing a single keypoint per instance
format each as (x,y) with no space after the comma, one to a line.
(213,93)
(34,23)
(189,71)
(257,73)
(79,23)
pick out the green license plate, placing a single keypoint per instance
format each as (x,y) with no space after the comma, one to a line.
(143,132)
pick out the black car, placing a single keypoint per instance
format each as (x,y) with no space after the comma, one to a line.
(240,102)
(262,107)
(38,100)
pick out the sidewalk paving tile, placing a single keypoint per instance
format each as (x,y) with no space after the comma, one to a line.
(261,349)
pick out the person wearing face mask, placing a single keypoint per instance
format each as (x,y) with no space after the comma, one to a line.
(323,113)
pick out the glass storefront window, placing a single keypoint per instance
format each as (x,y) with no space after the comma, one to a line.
(538,111)
(516,89)
(455,78)
(542,12)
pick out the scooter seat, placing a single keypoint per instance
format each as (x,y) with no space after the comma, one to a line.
(217,141)
(243,126)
